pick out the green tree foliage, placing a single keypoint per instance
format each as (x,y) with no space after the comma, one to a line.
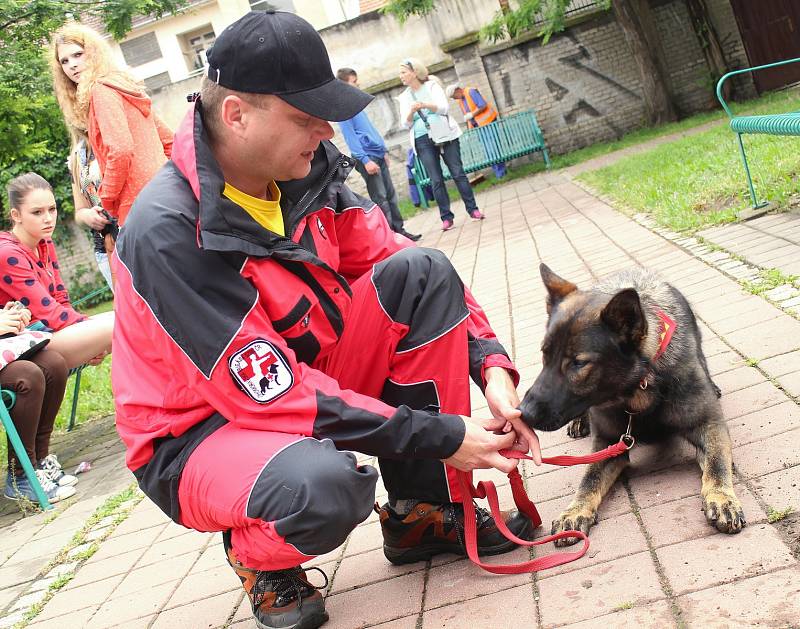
(545,15)
(32,133)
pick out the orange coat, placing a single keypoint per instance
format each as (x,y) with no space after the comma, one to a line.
(130,142)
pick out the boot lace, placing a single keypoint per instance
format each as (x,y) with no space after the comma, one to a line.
(456,513)
(288,585)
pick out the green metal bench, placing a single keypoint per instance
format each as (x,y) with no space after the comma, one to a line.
(769,124)
(500,141)
(77,371)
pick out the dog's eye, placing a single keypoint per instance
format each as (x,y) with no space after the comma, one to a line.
(579,364)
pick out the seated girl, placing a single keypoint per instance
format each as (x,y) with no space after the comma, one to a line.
(29,274)
(38,378)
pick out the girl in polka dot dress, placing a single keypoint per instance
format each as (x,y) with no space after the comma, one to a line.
(29,274)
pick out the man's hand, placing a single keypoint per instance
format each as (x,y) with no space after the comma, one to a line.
(469,115)
(503,401)
(481,445)
(372,168)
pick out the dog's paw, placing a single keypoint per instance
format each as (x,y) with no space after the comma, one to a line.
(724,511)
(576,518)
(579,427)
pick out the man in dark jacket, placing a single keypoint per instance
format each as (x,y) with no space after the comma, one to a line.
(269,321)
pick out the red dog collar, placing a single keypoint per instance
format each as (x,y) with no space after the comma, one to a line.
(665,335)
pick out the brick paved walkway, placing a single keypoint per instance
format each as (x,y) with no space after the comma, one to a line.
(771,241)
(654,562)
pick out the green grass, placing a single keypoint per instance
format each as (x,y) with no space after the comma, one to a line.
(95,399)
(698,181)
(776,516)
(769,279)
(103,307)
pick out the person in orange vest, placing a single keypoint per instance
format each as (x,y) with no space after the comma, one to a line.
(477,113)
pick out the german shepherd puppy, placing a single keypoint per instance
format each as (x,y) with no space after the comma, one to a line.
(629,348)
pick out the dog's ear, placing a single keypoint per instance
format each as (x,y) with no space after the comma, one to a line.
(624,315)
(557,287)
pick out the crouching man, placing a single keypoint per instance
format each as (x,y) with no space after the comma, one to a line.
(269,321)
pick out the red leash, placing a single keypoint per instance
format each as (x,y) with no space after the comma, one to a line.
(486,489)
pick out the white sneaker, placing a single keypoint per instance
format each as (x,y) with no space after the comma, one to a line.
(52,468)
(19,487)
(53,491)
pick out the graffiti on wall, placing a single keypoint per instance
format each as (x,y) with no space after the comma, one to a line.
(573,97)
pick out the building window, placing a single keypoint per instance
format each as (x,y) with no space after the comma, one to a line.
(277,5)
(195,44)
(141,50)
(156,82)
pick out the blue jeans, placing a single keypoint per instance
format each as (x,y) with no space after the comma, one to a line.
(381,191)
(104,266)
(429,155)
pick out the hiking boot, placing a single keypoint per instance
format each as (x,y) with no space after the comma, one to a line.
(281,599)
(430,529)
(477,215)
(447,225)
(19,487)
(52,468)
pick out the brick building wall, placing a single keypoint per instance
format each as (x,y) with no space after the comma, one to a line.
(76,260)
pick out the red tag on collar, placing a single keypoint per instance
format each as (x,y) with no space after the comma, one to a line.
(665,335)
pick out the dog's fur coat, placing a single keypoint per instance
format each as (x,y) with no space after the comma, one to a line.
(599,369)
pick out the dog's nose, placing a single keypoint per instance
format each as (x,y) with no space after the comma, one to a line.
(531,409)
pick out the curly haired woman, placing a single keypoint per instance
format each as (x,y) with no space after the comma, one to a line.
(111,107)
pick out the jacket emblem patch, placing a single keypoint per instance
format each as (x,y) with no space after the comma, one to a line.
(261,371)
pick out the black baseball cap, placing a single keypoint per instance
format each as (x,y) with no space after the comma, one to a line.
(275,52)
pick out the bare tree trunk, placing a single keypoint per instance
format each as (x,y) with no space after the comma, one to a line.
(710,43)
(638,26)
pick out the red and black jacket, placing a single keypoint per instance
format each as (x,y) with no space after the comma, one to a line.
(199,282)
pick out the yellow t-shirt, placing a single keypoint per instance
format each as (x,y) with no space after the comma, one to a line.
(266,213)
